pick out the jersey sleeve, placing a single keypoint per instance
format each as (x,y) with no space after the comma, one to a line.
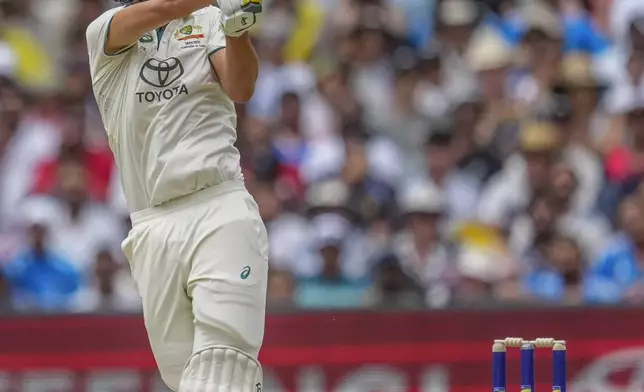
(100,62)
(216,38)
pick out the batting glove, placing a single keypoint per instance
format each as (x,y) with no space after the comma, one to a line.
(237,16)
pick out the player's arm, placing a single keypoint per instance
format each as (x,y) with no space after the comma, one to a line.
(130,23)
(237,67)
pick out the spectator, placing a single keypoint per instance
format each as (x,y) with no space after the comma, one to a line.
(524,174)
(422,255)
(456,21)
(581,127)
(554,212)
(626,160)
(430,97)
(392,287)
(557,273)
(25,141)
(400,121)
(97,162)
(475,161)
(541,45)
(369,194)
(110,289)
(331,286)
(286,229)
(491,57)
(80,228)
(460,189)
(41,280)
(289,144)
(529,232)
(616,275)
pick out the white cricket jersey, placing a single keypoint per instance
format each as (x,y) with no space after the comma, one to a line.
(170,125)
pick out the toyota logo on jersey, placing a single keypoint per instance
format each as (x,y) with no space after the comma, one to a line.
(161,73)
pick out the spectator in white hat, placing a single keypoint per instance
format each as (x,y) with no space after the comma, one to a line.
(456,20)
(491,58)
(420,247)
(332,285)
(329,213)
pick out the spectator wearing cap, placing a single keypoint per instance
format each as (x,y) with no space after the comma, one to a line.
(40,278)
(331,286)
(419,247)
(524,174)
(541,53)
(491,58)
(617,274)
(456,21)
(328,208)
(581,127)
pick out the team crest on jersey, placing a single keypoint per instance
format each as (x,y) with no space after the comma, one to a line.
(189,32)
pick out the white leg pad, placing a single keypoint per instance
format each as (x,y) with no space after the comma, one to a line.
(221,369)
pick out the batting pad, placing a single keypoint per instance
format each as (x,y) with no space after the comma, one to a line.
(221,369)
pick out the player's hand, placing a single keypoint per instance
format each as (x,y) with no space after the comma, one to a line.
(238,16)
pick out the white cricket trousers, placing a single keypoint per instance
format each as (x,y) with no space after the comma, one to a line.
(200,264)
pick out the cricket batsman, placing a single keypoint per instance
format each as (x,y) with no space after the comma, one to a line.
(165,74)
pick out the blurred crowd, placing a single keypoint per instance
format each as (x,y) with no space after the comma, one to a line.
(404,153)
